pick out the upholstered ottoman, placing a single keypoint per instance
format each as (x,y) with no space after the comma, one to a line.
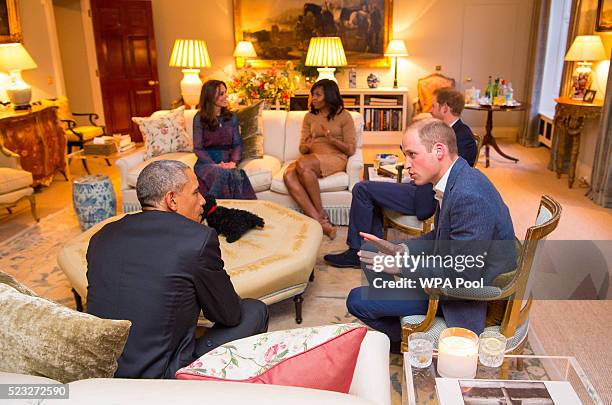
(271,264)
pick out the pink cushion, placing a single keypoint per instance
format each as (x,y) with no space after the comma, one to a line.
(285,358)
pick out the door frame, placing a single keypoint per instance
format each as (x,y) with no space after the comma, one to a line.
(92,59)
(90,47)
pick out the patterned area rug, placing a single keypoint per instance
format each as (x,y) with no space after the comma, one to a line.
(31,255)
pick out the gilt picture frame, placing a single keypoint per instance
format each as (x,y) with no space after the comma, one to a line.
(10,28)
(280,30)
(604,16)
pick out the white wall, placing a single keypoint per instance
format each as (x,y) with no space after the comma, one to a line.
(37,37)
(71,39)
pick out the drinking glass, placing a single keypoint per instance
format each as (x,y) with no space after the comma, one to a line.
(420,349)
(492,348)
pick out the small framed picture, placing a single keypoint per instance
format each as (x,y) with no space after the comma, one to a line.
(589,96)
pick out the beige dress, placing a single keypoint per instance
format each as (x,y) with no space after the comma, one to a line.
(341,127)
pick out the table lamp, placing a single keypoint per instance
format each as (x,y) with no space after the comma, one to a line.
(191,55)
(395,49)
(584,50)
(14,58)
(326,53)
(243,51)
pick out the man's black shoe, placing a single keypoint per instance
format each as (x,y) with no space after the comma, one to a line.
(348,258)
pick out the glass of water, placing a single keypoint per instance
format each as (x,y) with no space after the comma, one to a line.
(420,349)
(492,347)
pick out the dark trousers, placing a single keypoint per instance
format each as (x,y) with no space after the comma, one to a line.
(382,308)
(254,321)
(369,197)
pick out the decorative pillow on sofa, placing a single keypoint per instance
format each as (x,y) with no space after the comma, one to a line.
(251,131)
(322,357)
(165,133)
(40,337)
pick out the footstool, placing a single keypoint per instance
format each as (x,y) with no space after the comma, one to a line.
(271,264)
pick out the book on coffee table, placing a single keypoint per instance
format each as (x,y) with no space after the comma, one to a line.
(452,391)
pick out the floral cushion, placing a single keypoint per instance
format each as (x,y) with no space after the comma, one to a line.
(165,133)
(321,357)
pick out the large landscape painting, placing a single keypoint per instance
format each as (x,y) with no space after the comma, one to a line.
(281,29)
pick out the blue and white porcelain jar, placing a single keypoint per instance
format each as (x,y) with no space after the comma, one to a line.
(94,200)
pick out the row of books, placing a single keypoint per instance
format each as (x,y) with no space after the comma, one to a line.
(350,102)
(382,120)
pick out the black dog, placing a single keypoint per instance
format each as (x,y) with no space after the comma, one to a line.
(231,222)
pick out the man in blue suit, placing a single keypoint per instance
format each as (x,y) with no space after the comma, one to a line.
(370,197)
(472,219)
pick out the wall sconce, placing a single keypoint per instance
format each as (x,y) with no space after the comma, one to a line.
(395,49)
(326,53)
(584,49)
(191,55)
(243,51)
(13,59)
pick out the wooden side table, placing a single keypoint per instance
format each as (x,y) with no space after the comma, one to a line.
(570,116)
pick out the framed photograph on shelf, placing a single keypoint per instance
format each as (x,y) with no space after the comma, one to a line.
(10,29)
(589,96)
(280,30)
(604,15)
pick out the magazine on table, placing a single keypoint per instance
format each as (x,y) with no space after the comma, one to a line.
(452,391)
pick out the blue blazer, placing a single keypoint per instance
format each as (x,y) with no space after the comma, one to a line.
(472,210)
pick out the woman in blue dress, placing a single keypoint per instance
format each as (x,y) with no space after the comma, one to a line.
(217,144)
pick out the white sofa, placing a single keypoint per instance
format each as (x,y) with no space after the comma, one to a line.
(282,132)
(370,385)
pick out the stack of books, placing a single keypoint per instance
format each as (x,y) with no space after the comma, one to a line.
(108,145)
(384,102)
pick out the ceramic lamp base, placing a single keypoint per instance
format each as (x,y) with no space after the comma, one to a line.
(326,73)
(20,97)
(191,86)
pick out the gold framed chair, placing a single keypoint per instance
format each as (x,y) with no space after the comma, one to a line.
(76,135)
(15,183)
(425,87)
(408,224)
(509,299)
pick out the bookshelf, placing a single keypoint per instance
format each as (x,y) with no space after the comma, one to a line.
(384,111)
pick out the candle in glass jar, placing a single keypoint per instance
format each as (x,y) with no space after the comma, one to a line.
(457,353)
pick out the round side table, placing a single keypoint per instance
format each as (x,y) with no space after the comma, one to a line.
(94,200)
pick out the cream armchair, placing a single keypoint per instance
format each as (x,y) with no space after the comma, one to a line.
(15,183)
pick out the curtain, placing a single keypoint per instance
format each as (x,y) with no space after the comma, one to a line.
(528,136)
(601,176)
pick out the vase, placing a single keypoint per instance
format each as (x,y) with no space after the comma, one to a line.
(94,200)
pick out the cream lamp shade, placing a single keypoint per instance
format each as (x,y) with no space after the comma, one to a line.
(243,51)
(395,49)
(584,50)
(13,59)
(325,53)
(191,55)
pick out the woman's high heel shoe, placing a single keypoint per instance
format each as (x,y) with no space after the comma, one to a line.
(328,229)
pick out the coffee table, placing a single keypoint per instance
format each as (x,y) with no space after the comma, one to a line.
(419,385)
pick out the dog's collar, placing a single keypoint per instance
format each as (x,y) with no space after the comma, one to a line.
(214,207)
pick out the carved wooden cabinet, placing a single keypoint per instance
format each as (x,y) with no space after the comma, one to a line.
(39,139)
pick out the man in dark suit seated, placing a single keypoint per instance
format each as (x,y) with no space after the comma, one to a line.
(472,220)
(370,197)
(159,269)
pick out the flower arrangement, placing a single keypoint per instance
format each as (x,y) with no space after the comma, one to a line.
(272,85)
